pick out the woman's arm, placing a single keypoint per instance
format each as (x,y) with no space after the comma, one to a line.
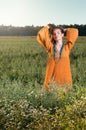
(43,38)
(71,35)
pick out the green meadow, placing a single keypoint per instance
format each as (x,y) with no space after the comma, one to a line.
(23,104)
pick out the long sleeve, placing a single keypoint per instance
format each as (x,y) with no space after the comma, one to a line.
(43,38)
(71,35)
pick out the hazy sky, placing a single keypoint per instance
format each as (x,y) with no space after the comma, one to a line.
(42,12)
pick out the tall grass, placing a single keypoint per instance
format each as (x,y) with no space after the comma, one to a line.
(23,104)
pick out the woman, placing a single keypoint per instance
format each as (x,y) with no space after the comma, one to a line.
(58,67)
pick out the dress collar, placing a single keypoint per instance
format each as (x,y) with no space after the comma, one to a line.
(56,50)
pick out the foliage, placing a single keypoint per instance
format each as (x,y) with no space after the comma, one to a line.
(24,103)
(32,30)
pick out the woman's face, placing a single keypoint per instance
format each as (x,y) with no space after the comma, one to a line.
(57,34)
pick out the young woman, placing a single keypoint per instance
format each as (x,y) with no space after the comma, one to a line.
(58,67)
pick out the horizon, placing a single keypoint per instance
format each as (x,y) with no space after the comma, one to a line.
(41,25)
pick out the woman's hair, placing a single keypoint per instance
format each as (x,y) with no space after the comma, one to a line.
(52,27)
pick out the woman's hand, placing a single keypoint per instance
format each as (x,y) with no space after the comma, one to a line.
(65,29)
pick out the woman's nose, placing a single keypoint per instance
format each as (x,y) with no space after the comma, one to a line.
(57,34)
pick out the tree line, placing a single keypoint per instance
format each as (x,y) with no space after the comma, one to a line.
(32,30)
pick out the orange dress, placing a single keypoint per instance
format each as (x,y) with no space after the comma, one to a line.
(59,71)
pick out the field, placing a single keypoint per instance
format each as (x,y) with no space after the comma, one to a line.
(23,105)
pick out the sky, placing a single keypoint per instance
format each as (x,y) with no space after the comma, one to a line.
(42,12)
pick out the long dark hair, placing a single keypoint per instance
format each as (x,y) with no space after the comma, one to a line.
(52,27)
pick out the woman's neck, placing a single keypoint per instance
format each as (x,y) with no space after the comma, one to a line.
(59,42)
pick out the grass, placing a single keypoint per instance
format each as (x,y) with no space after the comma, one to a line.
(22,105)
